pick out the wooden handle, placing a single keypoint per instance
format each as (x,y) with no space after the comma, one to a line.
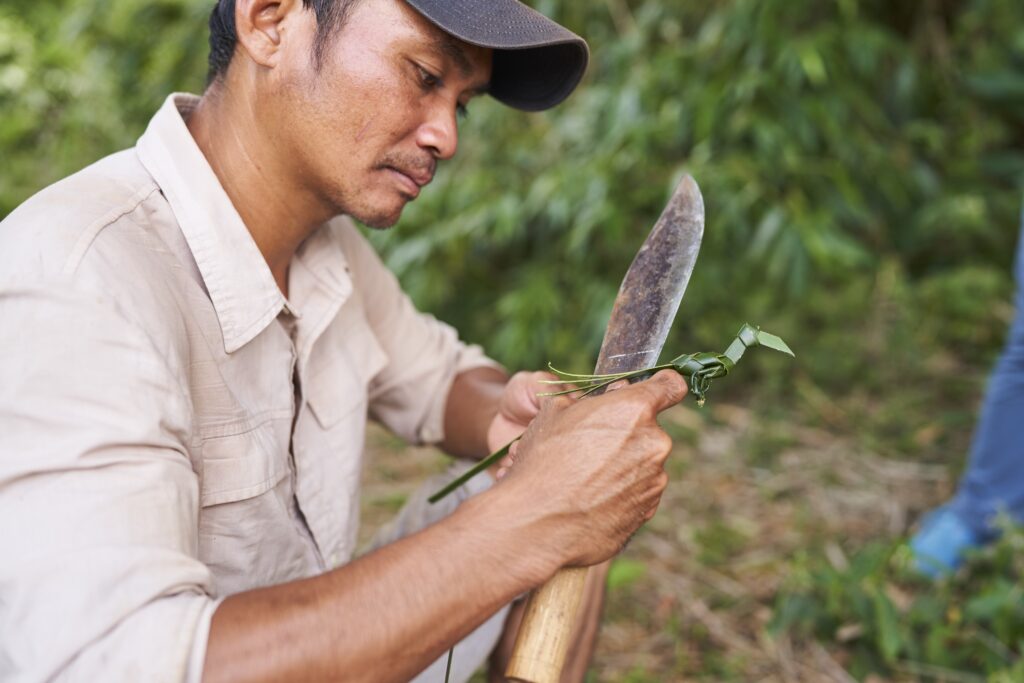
(547,628)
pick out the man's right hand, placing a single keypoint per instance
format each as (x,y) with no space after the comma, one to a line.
(592,471)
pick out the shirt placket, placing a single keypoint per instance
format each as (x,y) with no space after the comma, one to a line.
(317,494)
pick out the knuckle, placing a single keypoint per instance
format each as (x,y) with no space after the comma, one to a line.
(663,442)
(644,405)
(553,404)
(519,382)
(657,446)
(675,385)
(562,402)
(542,375)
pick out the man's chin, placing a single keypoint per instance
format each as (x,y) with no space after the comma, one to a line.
(378,220)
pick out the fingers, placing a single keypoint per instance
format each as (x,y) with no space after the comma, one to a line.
(521,402)
(614,386)
(661,446)
(555,402)
(665,389)
(541,376)
(661,485)
(505,464)
(608,455)
(648,398)
(534,384)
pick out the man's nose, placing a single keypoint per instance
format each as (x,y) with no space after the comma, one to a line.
(439,133)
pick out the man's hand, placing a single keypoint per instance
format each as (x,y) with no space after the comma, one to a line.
(595,467)
(485,409)
(518,406)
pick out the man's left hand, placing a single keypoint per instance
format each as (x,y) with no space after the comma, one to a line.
(518,406)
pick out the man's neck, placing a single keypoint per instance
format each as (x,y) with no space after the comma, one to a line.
(279,212)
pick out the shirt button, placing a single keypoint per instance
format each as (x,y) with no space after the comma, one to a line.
(335,560)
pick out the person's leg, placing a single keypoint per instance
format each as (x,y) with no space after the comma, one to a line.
(993,482)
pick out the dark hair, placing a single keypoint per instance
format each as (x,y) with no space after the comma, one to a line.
(330,15)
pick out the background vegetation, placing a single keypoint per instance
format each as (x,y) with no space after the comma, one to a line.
(862,166)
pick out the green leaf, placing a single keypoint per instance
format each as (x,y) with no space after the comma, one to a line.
(887,626)
(773,342)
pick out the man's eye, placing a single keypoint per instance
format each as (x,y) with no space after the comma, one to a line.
(428,79)
(461,111)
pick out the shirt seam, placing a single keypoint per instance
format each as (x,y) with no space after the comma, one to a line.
(231,428)
(89,235)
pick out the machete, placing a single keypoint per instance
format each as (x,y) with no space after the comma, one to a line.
(640,322)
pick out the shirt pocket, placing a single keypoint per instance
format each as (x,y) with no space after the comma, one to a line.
(341,368)
(244,460)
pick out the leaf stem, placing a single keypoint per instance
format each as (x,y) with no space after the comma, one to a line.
(448,666)
(473,471)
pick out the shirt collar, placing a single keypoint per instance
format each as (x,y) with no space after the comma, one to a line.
(241,286)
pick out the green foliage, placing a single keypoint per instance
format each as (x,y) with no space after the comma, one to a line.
(888,620)
(80,79)
(718,542)
(625,572)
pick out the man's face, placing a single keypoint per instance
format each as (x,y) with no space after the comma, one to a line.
(365,132)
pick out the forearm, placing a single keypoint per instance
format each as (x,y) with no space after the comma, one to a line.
(471,406)
(389,614)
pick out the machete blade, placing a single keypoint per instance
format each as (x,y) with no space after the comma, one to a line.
(654,284)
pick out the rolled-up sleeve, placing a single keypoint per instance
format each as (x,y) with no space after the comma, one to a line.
(99,576)
(424,354)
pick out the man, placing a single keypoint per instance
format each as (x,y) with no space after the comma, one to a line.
(194,334)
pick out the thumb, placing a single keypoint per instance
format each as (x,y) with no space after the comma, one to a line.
(668,388)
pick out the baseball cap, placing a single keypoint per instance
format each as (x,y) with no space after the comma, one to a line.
(537,63)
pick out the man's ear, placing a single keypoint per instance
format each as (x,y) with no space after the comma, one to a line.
(261,25)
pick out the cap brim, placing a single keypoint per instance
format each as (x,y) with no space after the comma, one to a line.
(537,62)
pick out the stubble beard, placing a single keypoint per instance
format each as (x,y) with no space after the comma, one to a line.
(348,202)
(344,204)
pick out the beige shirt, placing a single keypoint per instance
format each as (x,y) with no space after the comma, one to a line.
(172,429)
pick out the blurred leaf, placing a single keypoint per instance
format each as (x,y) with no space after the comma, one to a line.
(625,572)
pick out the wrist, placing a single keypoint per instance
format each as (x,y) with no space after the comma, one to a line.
(472,404)
(521,536)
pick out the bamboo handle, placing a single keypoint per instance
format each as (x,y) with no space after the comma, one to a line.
(547,628)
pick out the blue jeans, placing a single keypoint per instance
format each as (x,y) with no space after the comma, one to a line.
(994,480)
